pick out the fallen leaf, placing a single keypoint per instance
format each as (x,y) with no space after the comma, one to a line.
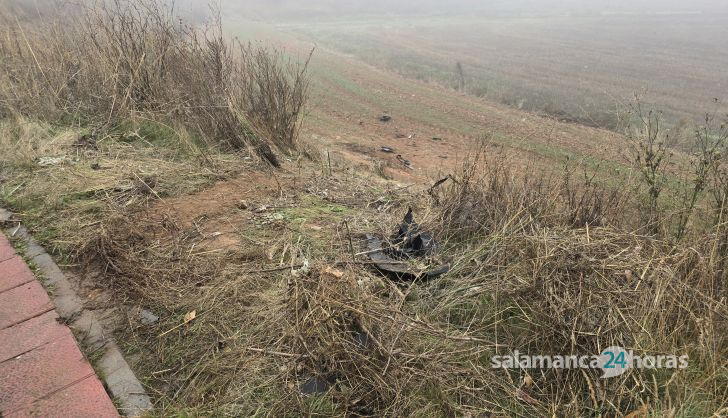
(528,381)
(334,272)
(190,316)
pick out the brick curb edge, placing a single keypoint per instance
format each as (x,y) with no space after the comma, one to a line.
(119,379)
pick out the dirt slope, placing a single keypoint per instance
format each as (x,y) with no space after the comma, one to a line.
(433,127)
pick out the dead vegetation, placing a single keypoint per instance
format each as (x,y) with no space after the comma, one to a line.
(527,275)
(542,265)
(554,264)
(104,64)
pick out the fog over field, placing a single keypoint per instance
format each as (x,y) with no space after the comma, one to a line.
(580,61)
(334,8)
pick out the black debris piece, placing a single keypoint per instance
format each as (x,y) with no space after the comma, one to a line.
(408,227)
(387,150)
(409,242)
(315,386)
(385,118)
(437,184)
(441,182)
(431,274)
(406,163)
(379,255)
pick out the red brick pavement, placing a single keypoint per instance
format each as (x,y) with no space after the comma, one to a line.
(42,370)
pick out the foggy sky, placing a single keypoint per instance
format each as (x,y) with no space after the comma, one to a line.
(343,8)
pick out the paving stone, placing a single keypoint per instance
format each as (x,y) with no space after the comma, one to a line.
(31,334)
(121,382)
(40,373)
(6,250)
(31,248)
(14,272)
(22,303)
(85,399)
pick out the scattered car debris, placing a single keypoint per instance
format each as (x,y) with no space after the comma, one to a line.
(387,150)
(442,181)
(439,183)
(406,163)
(408,243)
(436,138)
(385,118)
(414,242)
(315,386)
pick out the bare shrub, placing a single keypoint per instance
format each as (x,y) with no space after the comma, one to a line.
(272,90)
(587,203)
(487,194)
(651,154)
(115,60)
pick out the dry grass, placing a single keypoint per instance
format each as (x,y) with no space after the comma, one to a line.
(526,277)
(542,265)
(111,61)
